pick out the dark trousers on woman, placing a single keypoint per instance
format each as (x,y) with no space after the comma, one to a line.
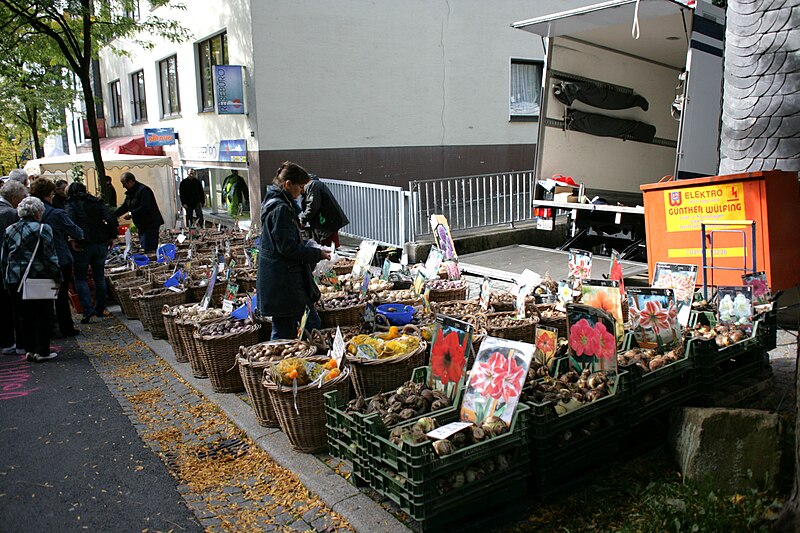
(36,319)
(63,312)
(93,255)
(285,327)
(10,327)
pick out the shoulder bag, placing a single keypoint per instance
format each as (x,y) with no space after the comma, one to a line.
(37,289)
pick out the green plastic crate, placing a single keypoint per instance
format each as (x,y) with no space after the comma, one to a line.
(470,507)
(419,463)
(731,370)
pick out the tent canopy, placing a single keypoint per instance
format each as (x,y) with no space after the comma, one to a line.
(153,171)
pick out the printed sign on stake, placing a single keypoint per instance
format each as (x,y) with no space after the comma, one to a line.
(387,267)
(365,285)
(230,297)
(452,342)
(212,279)
(337,350)
(419,283)
(546,339)
(443,238)
(433,263)
(303,321)
(486,294)
(366,251)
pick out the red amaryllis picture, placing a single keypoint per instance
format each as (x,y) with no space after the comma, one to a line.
(546,345)
(583,338)
(451,345)
(496,380)
(447,357)
(606,342)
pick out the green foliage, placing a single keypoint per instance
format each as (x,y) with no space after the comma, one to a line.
(696,507)
(77,173)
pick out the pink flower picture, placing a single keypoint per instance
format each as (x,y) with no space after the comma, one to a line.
(583,338)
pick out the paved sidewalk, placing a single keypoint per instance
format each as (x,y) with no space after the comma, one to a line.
(233,473)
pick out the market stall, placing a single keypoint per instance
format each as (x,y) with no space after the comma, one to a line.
(153,171)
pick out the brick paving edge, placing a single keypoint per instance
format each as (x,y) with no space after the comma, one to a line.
(362,512)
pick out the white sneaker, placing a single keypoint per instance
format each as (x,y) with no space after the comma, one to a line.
(41,358)
(10,350)
(21,351)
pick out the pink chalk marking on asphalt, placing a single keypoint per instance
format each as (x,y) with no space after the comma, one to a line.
(15,372)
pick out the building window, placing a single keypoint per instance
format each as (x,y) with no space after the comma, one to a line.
(116,103)
(168,75)
(213,51)
(137,95)
(132,9)
(525,88)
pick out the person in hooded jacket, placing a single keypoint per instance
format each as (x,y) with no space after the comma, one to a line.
(322,213)
(140,205)
(285,284)
(99,230)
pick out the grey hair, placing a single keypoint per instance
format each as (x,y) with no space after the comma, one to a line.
(18,175)
(30,207)
(13,191)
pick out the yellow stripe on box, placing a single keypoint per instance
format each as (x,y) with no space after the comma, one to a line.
(697,252)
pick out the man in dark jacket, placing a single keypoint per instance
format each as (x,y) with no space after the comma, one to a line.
(60,198)
(322,213)
(109,192)
(99,229)
(192,198)
(141,206)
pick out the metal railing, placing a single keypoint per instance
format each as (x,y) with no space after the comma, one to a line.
(471,202)
(376,212)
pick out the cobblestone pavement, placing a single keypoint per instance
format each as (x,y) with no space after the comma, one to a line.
(224,477)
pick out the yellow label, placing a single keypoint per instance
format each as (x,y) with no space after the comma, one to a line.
(686,208)
(698,252)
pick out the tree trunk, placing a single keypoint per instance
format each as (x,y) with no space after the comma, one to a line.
(789,520)
(91,117)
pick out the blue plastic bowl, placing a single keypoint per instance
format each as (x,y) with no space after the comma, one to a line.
(140,259)
(397,314)
(166,252)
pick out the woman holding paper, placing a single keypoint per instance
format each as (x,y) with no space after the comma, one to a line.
(285,284)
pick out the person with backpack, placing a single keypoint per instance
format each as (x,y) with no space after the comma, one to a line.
(285,283)
(322,213)
(99,227)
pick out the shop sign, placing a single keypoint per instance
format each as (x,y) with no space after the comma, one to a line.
(159,136)
(686,208)
(229,89)
(234,150)
(202,152)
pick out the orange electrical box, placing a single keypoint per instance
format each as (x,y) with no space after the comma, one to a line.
(674,211)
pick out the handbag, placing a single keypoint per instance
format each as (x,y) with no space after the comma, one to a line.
(34,288)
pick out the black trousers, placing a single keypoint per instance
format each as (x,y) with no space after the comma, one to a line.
(36,318)
(10,328)
(63,312)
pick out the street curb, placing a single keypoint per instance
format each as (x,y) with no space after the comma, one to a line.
(362,512)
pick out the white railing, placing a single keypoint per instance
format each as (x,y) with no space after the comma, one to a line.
(376,212)
(471,202)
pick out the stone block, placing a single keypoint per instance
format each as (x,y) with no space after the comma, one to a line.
(727,445)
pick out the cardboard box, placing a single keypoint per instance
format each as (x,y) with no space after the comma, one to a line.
(564,189)
(565,197)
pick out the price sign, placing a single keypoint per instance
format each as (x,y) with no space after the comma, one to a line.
(337,350)
(486,294)
(446,430)
(303,321)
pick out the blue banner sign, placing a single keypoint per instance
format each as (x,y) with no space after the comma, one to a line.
(233,150)
(159,136)
(229,89)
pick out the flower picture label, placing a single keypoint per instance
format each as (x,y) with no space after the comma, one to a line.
(591,339)
(452,341)
(653,314)
(758,282)
(681,279)
(366,250)
(579,266)
(735,306)
(615,271)
(443,238)
(496,380)
(546,339)
(604,294)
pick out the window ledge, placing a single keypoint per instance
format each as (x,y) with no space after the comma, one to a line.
(143,121)
(171,117)
(523,118)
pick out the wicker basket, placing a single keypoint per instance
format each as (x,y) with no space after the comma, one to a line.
(373,376)
(252,373)
(448,295)
(553,318)
(302,416)
(197,292)
(219,356)
(246,281)
(186,333)
(112,278)
(173,337)
(521,330)
(125,291)
(343,269)
(323,338)
(392,297)
(346,316)
(456,309)
(151,303)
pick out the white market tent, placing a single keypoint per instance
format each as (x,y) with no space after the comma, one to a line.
(153,171)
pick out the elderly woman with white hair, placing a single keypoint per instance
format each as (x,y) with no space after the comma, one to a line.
(11,194)
(28,245)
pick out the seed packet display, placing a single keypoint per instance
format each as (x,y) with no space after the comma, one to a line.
(735,306)
(433,262)
(449,353)
(591,339)
(443,238)
(615,272)
(496,380)
(654,318)
(366,251)
(579,265)
(681,279)
(546,343)
(604,294)
(758,282)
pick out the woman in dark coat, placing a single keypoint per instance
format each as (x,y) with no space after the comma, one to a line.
(285,285)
